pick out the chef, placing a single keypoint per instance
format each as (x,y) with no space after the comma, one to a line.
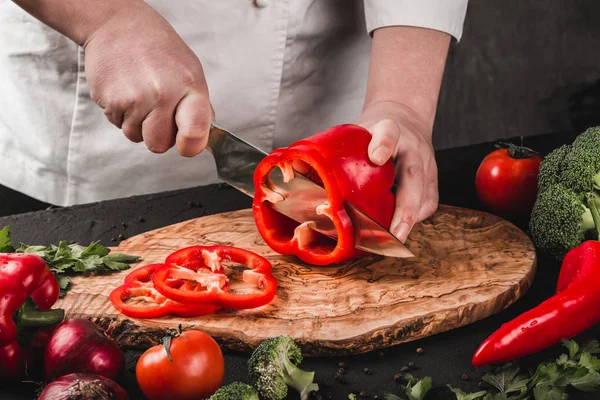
(107,99)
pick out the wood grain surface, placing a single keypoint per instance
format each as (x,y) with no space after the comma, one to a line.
(467,266)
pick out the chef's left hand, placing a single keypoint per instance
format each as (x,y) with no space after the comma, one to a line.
(400,134)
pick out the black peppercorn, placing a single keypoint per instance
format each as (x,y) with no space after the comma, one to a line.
(340,378)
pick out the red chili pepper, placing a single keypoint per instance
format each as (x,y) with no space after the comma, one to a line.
(28,289)
(572,310)
(336,159)
(138,284)
(201,266)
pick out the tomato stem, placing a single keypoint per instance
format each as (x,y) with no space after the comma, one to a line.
(167,341)
(516,151)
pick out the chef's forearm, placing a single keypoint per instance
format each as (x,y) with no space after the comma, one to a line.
(407,66)
(76,19)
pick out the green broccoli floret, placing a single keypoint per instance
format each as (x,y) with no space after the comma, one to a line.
(568,195)
(551,167)
(582,163)
(576,165)
(560,220)
(235,391)
(273,366)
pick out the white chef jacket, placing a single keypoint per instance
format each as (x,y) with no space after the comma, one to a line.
(277,71)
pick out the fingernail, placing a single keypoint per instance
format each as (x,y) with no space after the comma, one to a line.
(402,231)
(379,155)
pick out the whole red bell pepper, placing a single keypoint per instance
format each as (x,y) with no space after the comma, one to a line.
(202,267)
(138,284)
(28,290)
(571,310)
(336,159)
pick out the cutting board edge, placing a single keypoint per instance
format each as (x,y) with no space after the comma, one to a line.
(130,333)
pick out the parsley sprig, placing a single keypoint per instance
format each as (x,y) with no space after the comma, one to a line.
(66,260)
(579,369)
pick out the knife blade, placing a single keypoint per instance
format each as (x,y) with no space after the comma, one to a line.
(236,161)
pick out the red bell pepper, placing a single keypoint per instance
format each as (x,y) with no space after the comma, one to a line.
(571,310)
(138,284)
(28,290)
(202,266)
(336,159)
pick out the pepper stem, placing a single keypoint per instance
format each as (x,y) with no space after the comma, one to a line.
(28,316)
(591,200)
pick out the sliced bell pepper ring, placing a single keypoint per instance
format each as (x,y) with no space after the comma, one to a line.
(138,284)
(202,265)
(336,159)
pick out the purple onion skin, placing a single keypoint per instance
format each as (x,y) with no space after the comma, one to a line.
(79,346)
(83,387)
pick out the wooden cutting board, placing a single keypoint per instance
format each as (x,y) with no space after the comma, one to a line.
(467,265)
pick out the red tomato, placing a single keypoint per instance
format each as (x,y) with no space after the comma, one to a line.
(196,372)
(506,181)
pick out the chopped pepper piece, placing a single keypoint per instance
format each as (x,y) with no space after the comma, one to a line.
(138,285)
(201,265)
(336,159)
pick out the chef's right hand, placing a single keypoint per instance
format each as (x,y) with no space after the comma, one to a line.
(149,82)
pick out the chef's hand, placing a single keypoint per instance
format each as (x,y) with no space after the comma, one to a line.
(399,134)
(148,81)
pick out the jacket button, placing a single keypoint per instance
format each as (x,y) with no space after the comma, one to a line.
(262,3)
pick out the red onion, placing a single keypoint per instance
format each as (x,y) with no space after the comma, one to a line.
(83,387)
(79,346)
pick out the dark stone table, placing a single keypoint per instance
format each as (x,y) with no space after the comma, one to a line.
(446,357)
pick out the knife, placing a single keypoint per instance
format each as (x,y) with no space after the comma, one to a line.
(236,161)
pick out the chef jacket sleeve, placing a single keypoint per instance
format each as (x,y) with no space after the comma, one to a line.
(443,15)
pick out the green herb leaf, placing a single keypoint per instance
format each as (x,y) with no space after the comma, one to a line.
(592,347)
(6,244)
(67,259)
(587,383)
(592,363)
(497,396)
(65,284)
(564,359)
(460,395)
(505,378)
(352,396)
(418,390)
(95,249)
(37,250)
(549,393)
(391,396)
(573,347)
